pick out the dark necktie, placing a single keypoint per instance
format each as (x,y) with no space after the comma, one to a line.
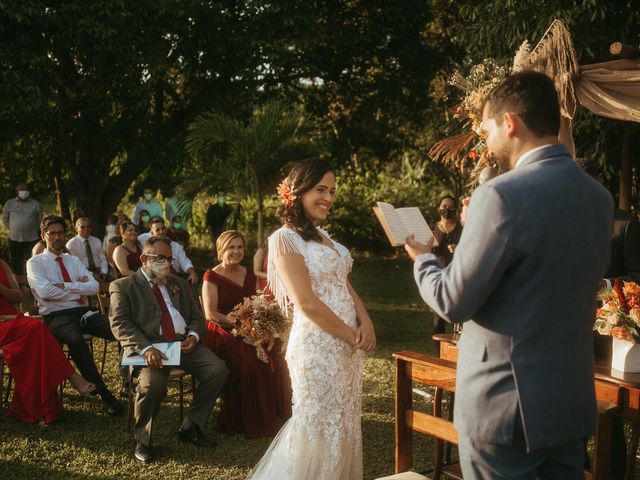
(90,260)
(168,332)
(65,276)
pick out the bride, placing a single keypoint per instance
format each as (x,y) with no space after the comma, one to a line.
(331,331)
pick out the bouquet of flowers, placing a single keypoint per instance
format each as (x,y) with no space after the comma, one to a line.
(619,315)
(259,321)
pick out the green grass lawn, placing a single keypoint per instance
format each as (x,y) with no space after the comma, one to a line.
(87,443)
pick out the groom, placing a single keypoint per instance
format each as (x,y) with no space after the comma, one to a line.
(153,306)
(524,282)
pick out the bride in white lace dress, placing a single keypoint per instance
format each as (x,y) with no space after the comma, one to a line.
(331,332)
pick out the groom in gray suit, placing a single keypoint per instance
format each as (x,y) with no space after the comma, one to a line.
(524,282)
(153,306)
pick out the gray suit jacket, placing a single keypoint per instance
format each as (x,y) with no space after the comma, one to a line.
(524,279)
(134,312)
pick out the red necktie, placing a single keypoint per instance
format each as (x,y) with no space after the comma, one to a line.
(65,276)
(168,332)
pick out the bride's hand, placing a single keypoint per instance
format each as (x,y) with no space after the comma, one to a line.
(367,337)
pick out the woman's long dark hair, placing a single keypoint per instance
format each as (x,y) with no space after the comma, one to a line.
(302,178)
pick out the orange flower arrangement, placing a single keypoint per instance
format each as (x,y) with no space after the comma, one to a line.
(285,192)
(619,315)
(259,321)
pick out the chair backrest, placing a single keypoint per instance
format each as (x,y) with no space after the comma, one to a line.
(428,370)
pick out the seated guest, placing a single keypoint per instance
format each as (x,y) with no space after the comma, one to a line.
(144,221)
(155,306)
(38,248)
(116,240)
(34,357)
(257,400)
(88,249)
(110,230)
(59,283)
(178,232)
(182,265)
(126,256)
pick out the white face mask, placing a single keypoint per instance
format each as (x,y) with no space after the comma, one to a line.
(160,270)
(23,194)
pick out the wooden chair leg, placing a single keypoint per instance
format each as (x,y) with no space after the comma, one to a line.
(181,393)
(439,450)
(2,378)
(104,356)
(130,398)
(404,402)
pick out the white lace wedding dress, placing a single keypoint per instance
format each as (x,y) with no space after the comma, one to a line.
(322,440)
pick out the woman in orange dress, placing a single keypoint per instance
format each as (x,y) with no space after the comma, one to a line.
(257,399)
(34,357)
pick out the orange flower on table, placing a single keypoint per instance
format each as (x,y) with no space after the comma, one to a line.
(622,333)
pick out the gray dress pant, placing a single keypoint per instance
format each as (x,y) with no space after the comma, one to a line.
(484,460)
(211,374)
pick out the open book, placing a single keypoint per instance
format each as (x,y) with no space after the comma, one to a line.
(170,349)
(399,223)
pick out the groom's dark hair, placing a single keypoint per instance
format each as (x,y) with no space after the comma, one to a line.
(530,95)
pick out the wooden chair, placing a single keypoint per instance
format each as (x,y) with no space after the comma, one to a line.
(436,372)
(177,376)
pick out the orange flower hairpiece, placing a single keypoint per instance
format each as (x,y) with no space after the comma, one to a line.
(286,193)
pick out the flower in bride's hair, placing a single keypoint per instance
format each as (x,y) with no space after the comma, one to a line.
(285,192)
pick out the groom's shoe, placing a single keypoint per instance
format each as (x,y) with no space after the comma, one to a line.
(142,453)
(194,435)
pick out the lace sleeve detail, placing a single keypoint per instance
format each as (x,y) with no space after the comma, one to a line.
(282,242)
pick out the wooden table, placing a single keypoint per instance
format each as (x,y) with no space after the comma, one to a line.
(612,388)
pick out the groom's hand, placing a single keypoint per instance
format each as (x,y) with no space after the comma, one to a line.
(415,248)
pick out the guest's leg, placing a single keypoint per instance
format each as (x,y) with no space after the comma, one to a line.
(38,366)
(211,373)
(98,326)
(66,328)
(152,388)
(618,449)
(16,254)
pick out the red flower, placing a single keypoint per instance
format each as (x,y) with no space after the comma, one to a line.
(618,288)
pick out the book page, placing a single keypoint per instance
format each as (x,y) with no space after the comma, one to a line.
(394,227)
(415,224)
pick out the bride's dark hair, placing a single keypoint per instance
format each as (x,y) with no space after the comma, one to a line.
(302,178)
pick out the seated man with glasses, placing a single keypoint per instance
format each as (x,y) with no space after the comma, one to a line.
(60,283)
(154,306)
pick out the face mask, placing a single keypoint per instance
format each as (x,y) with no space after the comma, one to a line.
(446,213)
(177,226)
(160,269)
(221,200)
(145,218)
(23,194)
(148,197)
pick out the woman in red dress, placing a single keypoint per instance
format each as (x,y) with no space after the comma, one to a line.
(34,357)
(257,400)
(126,256)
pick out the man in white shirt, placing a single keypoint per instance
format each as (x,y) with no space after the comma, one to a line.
(88,249)
(152,306)
(60,284)
(181,264)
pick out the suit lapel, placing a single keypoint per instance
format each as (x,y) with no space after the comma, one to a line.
(146,289)
(174,294)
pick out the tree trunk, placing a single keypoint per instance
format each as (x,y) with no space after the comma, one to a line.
(626,171)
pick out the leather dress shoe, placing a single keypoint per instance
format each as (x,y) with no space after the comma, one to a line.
(111,405)
(142,453)
(193,435)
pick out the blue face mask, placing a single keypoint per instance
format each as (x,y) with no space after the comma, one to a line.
(177,226)
(221,200)
(145,218)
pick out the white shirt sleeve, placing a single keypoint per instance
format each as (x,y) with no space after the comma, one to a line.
(182,263)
